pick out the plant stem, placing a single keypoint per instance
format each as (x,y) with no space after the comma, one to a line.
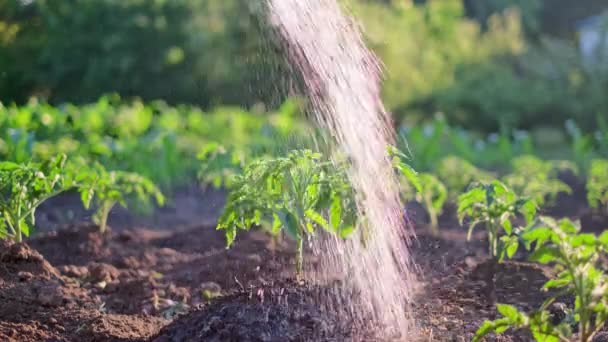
(18,225)
(103,216)
(434,225)
(299,257)
(19,236)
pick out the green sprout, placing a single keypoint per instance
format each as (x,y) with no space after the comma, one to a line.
(457,174)
(597,184)
(425,188)
(495,205)
(576,258)
(296,193)
(219,165)
(108,188)
(536,179)
(24,187)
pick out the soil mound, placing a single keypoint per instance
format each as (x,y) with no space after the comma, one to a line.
(289,312)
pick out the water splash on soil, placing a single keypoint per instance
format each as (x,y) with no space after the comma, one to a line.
(342,78)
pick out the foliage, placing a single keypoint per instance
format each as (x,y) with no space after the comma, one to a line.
(296,193)
(426,189)
(430,142)
(108,188)
(440,38)
(24,187)
(156,140)
(521,90)
(581,144)
(181,51)
(495,205)
(576,257)
(219,165)
(536,179)
(457,174)
(530,11)
(422,187)
(597,184)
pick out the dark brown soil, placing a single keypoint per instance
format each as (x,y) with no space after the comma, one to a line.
(38,304)
(277,312)
(151,279)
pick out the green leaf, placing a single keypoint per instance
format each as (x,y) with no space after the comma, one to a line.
(25,229)
(512,248)
(488,327)
(506,224)
(583,239)
(230,235)
(557,283)
(538,235)
(8,166)
(509,311)
(528,209)
(545,254)
(335,212)
(544,337)
(318,219)
(603,238)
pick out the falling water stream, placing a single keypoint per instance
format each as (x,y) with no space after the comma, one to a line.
(342,79)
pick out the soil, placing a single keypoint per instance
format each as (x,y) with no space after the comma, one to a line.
(169,277)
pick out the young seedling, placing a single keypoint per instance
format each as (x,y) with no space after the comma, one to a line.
(425,188)
(432,195)
(536,179)
(597,185)
(219,165)
(495,205)
(457,174)
(108,188)
(297,193)
(24,187)
(576,257)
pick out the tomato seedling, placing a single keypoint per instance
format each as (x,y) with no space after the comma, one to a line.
(219,165)
(536,179)
(597,184)
(24,187)
(576,259)
(457,174)
(495,205)
(296,193)
(108,188)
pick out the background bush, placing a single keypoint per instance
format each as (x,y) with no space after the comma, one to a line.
(199,52)
(486,64)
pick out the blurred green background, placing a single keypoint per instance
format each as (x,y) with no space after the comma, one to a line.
(486,65)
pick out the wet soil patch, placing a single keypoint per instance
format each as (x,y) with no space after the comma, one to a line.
(287,312)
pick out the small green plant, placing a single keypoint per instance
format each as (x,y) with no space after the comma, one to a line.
(495,205)
(536,179)
(24,187)
(582,145)
(219,165)
(108,188)
(425,188)
(576,257)
(432,195)
(296,193)
(457,174)
(597,184)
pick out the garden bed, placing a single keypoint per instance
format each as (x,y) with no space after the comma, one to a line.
(178,282)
